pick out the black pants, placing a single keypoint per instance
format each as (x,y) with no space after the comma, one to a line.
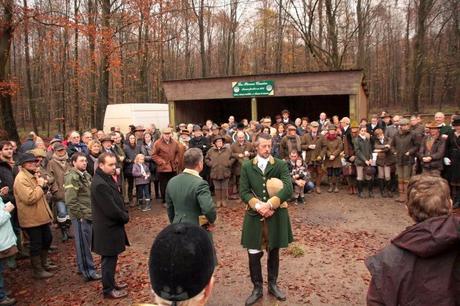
(40,238)
(130,180)
(164,178)
(108,266)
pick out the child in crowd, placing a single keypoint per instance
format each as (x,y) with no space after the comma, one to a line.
(301,178)
(141,174)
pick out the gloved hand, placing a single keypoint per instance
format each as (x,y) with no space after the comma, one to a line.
(447,161)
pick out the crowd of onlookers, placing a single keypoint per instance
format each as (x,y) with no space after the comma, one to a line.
(38,180)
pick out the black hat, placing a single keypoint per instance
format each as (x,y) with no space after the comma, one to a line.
(181,262)
(456,120)
(25,158)
(240,126)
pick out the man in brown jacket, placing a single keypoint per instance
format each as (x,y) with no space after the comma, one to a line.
(421,266)
(34,214)
(432,151)
(241,150)
(166,156)
(311,144)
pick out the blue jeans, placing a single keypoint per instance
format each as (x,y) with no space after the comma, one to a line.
(143,192)
(2,283)
(309,186)
(83,236)
(61,211)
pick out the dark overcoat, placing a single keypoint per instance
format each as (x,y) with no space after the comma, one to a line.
(109,216)
(252,190)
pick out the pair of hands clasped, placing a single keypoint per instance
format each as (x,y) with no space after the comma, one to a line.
(264,209)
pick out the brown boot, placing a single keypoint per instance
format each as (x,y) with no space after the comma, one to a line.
(38,271)
(318,184)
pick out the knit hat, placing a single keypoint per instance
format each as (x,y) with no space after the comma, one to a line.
(181,262)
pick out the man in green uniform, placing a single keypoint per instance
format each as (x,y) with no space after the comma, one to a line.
(188,198)
(266,223)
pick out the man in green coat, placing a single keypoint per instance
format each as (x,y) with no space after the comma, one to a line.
(266,222)
(188,198)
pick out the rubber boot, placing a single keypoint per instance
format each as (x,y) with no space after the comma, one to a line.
(370,187)
(46,263)
(139,204)
(273,263)
(63,227)
(148,205)
(388,188)
(38,271)
(331,185)
(255,269)
(336,183)
(360,189)
(382,188)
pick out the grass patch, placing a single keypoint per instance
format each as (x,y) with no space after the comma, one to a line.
(295,250)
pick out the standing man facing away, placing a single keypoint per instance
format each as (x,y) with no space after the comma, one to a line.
(77,186)
(266,223)
(188,196)
(109,219)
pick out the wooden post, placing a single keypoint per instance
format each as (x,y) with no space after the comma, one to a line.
(254,109)
(353,108)
(172,113)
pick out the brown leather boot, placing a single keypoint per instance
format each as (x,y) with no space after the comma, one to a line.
(38,271)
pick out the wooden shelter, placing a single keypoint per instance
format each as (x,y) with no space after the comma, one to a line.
(341,93)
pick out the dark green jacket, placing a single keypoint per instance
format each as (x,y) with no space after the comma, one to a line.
(187,197)
(253,189)
(77,187)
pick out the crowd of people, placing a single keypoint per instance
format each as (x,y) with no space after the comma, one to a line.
(68,181)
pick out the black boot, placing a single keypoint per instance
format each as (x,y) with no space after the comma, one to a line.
(139,204)
(63,227)
(156,185)
(68,224)
(273,265)
(388,188)
(383,192)
(255,270)
(370,187)
(360,189)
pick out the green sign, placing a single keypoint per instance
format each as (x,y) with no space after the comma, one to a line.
(252,89)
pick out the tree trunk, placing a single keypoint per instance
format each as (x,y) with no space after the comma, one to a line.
(77,71)
(418,63)
(30,93)
(6,91)
(103,100)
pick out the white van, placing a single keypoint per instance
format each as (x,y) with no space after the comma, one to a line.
(123,115)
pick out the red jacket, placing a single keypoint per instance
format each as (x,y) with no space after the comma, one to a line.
(420,267)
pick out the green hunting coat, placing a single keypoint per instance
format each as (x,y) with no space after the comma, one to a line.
(252,190)
(188,197)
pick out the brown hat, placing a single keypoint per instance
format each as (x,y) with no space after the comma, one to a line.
(216,138)
(184,132)
(37,152)
(106,138)
(167,130)
(314,124)
(404,121)
(432,125)
(58,146)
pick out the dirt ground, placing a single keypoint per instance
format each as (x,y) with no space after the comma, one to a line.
(335,231)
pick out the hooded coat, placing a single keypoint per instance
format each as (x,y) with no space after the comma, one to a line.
(420,267)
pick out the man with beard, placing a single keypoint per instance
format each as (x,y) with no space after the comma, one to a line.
(266,222)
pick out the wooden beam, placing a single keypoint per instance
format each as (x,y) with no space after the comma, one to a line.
(254,109)
(172,113)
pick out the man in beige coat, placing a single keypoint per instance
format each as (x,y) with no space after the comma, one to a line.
(34,214)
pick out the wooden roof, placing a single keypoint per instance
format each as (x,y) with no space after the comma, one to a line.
(347,82)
